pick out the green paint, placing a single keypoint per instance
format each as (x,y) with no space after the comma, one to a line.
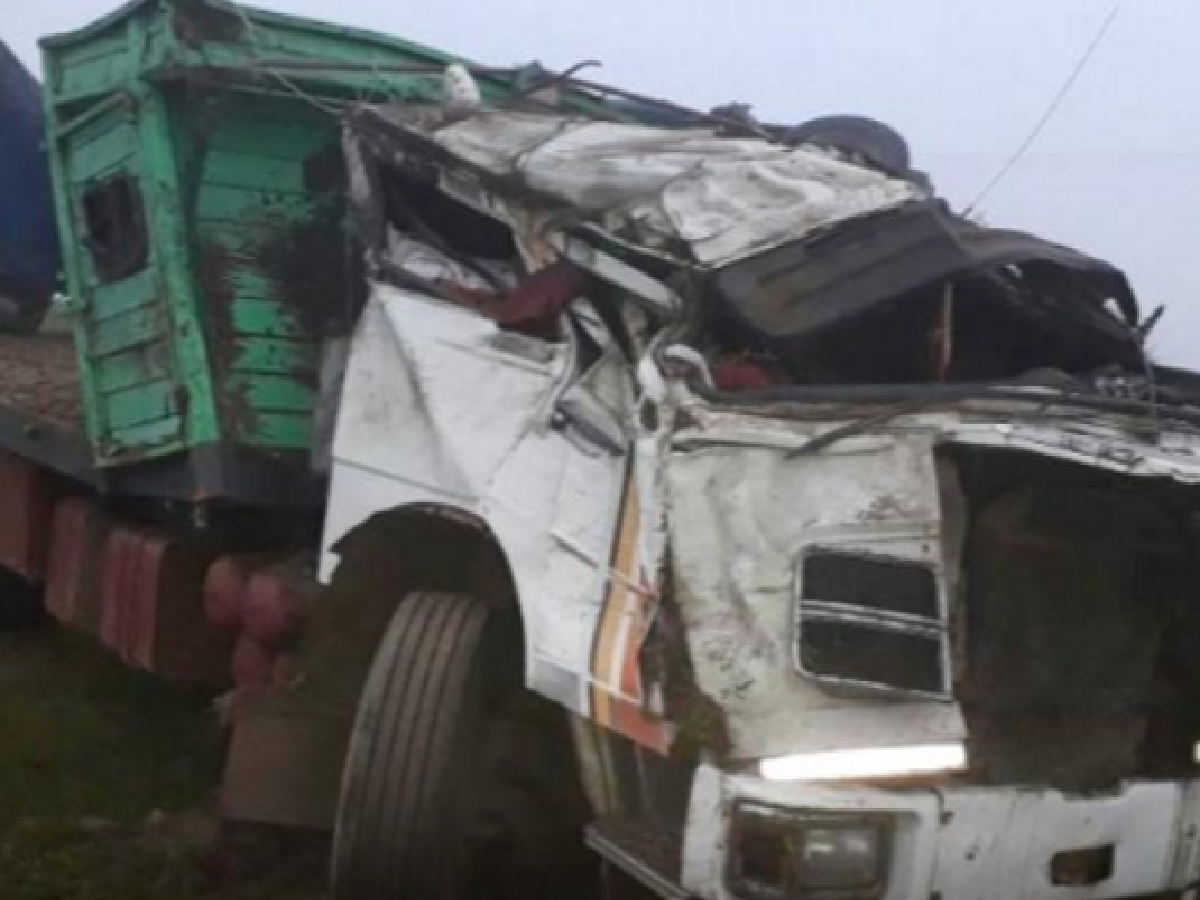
(236,167)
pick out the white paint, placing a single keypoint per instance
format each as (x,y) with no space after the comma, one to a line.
(971,843)
(441,407)
(462,92)
(744,516)
(865,763)
(998,845)
(720,197)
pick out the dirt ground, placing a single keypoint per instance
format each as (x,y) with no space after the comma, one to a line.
(39,377)
(106,786)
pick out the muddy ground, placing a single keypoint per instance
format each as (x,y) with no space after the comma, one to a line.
(107,783)
(40,378)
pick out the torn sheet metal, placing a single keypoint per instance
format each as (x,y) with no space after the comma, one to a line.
(841,273)
(747,503)
(442,407)
(1048,427)
(865,302)
(745,517)
(702,198)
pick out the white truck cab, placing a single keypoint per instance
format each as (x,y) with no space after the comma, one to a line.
(855,542)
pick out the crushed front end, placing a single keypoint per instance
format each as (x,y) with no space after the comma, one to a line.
(956,654)
(858,539)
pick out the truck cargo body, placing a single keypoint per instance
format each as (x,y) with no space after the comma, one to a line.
(200,191)
(725,502)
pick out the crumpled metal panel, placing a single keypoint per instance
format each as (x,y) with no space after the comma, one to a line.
(443,407)
(969,843)
(742,516)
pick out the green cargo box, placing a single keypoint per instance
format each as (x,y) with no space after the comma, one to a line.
(198,173)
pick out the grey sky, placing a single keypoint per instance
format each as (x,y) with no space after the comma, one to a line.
(1116,173)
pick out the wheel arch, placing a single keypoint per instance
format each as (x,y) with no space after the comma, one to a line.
(434,547)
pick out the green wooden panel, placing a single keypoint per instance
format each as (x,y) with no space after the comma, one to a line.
(225,168)
(106,73)
(256,208)
(140,293)
(269,318)
(278,140)
(142,440)
(273,356)
(271,393)
(242,197)
(147,402)
(281,431)
(101,147)
(131,330)
(96,65)
(127,370)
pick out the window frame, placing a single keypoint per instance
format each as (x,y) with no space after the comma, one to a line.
(835,612)
(129,255)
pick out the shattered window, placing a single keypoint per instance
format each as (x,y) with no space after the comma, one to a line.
(114,227)
(871,621)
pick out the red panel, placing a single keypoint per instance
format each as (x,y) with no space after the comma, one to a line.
(224,591)
(26,520)
(253,664)
(146,598)
(73,582)
(153,608)
(271,614)
(118,558)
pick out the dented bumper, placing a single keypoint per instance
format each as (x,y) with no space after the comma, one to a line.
(963,843)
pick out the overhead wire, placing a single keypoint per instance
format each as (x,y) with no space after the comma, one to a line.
(1048,116)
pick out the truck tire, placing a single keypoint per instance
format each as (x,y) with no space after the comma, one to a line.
(457,784)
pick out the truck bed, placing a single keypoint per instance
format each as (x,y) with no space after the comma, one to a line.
(41,407)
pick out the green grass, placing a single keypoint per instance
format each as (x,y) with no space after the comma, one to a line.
(106,780)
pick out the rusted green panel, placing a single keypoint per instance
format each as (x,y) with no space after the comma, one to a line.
(210,133)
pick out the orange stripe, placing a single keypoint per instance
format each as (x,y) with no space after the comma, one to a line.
(624,551)
(617,692)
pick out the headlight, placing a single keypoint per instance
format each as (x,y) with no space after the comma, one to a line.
(866,762)
(841,857)
(779,854)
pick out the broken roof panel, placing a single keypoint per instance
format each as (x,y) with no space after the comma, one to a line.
(701,198)
(841,273)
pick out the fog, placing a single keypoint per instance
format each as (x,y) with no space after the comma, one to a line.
(1116,172)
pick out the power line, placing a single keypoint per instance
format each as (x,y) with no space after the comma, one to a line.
(1053,108)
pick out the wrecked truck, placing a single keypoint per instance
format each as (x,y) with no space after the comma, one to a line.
(857,540)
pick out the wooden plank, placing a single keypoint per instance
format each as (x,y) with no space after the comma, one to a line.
(273,356)
(139,326)
(150,401)
(147,363)
(158,434)
(280,431)
(138,292)
(276,139)
(217,203)
(229,168)
(271,393)
(268,318)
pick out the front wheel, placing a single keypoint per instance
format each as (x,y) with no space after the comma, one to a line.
(458,784)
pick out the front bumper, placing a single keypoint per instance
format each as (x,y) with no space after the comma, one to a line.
(972,843)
